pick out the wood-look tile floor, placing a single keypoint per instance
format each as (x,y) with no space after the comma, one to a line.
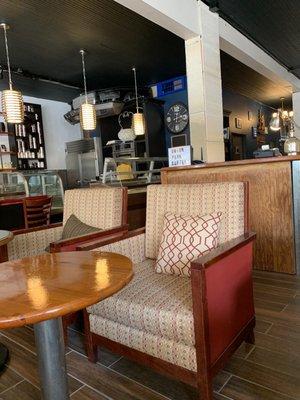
(270,370)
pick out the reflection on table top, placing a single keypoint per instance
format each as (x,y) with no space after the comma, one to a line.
(47,286)
(5,237)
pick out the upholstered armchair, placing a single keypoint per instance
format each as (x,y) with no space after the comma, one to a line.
(184,327)
(104,208)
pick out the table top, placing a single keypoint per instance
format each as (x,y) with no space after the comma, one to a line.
(47,286)
(5,237)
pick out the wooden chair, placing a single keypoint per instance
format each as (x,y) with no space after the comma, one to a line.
(186,328)
(37,211)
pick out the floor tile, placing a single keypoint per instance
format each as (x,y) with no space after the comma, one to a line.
(87,394)
(239,389)
(8,378)
(244,350)
(267,377)
(23,336)
(267,341)
(23,391)
(262,326)
(107,381)
(286,363)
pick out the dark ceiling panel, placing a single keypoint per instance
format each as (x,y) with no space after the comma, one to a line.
(241,79)
(46,36)
(272,24)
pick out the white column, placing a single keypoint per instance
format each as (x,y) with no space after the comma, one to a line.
(205,89)
(296,109)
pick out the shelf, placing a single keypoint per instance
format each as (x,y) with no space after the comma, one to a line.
(6,134)
(12,153)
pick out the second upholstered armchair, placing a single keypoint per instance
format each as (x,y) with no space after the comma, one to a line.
(103,210)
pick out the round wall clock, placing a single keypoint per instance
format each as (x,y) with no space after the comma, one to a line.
(177,117)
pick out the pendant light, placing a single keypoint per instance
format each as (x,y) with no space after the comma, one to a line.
(281,118)
(275,123)
(87,110)
(138,122)
(12,100)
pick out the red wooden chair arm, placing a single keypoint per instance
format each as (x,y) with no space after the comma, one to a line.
(223,250)
(109,239)
(72,243)
(223,305)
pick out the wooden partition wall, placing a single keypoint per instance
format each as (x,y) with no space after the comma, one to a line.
(271,202)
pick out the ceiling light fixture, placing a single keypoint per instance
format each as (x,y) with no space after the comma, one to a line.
(138,122)
(12,100)
(282,118)
(87,111)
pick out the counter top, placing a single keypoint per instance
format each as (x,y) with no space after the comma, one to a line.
(234,163)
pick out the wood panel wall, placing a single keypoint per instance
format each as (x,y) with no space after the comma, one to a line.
(271,212)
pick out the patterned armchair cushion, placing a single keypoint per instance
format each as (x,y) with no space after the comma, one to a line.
(160,305)
(197,199)
(184,239)
(98,207)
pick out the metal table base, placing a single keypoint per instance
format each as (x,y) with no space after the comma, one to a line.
(50,345)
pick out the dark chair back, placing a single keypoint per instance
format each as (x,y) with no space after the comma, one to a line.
(37,211)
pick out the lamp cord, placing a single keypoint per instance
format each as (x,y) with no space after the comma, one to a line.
(7,57)
(136,91)
(83,73)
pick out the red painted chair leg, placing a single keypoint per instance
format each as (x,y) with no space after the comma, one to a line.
(90,348)
(250,338)
(205,390)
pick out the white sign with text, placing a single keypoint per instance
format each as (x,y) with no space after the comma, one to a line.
(179,156)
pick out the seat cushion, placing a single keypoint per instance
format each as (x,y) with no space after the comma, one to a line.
(158,304)
(184,239)
(157,346)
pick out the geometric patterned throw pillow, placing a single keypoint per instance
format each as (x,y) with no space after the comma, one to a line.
(184,239)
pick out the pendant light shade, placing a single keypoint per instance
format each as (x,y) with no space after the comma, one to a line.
(275,123)
(138,121)
(12,106)
(12,100)
(88,119)
(138,124)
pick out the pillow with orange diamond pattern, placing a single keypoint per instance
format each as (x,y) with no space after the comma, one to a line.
(184,239)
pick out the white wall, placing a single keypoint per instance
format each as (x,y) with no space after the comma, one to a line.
(57,130)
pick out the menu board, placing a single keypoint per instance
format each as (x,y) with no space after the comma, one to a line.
(179,156)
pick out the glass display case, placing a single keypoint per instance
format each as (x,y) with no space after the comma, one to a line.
(32,183)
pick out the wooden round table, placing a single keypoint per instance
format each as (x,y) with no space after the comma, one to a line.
(40,290)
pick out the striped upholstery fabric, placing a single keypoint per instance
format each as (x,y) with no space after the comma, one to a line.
(198,199)
(74,227)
